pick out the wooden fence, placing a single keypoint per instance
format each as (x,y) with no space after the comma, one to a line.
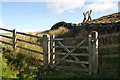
(90,66)
(49,53)
(45,44)
(107,36)
(112,47)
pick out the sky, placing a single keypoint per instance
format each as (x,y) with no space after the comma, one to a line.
(39,15)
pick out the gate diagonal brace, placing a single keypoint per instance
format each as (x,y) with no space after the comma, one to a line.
(68,51)
(68,54)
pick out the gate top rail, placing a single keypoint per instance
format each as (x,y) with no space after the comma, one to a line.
(56,39)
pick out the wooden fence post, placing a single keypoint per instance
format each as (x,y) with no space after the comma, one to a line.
(14,40)
(95,51)
(52,50)
(90,54)
(46,51)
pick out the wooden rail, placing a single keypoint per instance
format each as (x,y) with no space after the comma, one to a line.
(91,56)
(49,45)
(106,36)
(81,47)
(73,61)
(22,40)
(21,33)
(74,54)
(109,46)
(15,39)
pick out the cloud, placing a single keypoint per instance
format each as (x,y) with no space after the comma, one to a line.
(60,6)
(102,1)
(101,6)
(58,0)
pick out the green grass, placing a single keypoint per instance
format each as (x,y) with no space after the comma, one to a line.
(26,65)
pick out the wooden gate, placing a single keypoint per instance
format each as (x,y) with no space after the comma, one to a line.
(82,57)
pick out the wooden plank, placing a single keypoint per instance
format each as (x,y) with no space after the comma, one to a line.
(75,38)
(22,40)
(6,30)
(46,50)
(68,53)
(14,40)
(6,36)
(69,68)
(74,54)
(107,35)
(6,43)
(81,47)
(109,46)
(56,39)
(52,50)
(73,61)
(30,42)
(30,50)
(90,54)
(110,56)
(21,33)
(29,35)
(95,51)
(22,47)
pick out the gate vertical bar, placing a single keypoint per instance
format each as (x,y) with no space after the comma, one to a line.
(95,51)
(14,40)
(90,54)
(46,51)
(52,50)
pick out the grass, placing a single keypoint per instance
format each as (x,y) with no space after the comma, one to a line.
(26,65)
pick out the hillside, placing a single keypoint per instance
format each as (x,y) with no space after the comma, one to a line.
(28,65)
(105,24)
(115,17)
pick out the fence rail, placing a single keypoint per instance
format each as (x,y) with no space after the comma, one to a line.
(82,47)
(106,36)
(49,46)
(73,54)
(14,43)
(15,39)
(21,33)
(110,46)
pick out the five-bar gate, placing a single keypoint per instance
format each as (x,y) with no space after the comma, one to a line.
(82,57)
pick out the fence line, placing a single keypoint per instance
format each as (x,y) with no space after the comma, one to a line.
(14,37)
(22,40)
(49,47)
(92,54)
(46,44)
(112,34)
(111,45)
(21,33)
(14,44)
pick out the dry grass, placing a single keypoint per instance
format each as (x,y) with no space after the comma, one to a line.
(26,45)
(60,31)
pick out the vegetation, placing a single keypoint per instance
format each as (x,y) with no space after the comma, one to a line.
(27,65)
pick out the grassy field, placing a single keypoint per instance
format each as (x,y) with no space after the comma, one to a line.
(27,66)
